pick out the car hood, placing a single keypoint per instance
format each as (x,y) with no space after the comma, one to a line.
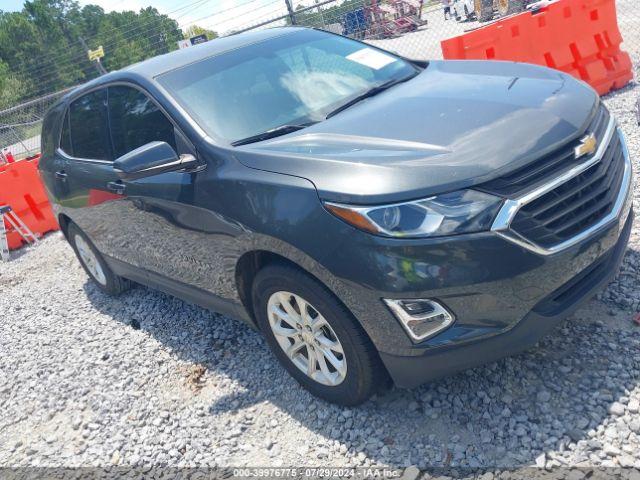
(455,125)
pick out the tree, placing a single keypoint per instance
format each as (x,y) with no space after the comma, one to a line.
(11,89)
(40,50)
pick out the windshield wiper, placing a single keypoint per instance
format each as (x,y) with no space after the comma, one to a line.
(274,132)
(368,94)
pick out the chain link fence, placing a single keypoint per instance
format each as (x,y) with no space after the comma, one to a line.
(20,125)
(412,28)
(415,28)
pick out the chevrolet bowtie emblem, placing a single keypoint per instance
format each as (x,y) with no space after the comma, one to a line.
(587,146)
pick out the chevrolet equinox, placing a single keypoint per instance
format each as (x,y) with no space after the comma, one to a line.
(378,219)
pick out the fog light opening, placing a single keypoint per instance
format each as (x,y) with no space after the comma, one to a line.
(421,318)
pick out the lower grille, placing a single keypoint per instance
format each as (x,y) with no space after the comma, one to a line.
(581,284)
(575,205)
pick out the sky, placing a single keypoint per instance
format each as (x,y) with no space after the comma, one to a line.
(219,15)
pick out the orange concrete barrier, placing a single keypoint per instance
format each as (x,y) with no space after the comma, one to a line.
(22,189)
(580,37)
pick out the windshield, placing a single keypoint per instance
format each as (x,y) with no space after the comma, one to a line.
(293,79)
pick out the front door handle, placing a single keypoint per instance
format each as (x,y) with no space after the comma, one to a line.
(116,187)
(61,175)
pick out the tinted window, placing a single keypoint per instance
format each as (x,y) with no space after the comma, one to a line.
(65,136)
(88,124)
(136,121)
(291,79)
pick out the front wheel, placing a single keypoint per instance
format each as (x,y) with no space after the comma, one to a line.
(315,337)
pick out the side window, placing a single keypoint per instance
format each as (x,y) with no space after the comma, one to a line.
(88,125)
(65,136)
(135,120)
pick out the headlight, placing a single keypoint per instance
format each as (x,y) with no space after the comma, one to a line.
(464,211)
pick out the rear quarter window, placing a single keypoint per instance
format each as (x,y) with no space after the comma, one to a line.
(51,128)
(65,136)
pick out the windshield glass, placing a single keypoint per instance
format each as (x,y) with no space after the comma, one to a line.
(292,79)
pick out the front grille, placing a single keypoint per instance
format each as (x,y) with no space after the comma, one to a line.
(540,171)
(574,205)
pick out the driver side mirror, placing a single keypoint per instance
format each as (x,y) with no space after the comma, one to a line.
(151,159)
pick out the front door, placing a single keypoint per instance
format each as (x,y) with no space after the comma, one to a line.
(150,223)
(156,226)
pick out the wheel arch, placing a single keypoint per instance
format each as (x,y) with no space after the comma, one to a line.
(64,221)
(251,262)
(248,266)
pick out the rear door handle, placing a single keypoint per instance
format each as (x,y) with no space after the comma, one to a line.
(61,174)
(116,187)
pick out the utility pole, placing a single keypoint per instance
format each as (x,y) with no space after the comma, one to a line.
(321,13)
(292,16)
(101,70)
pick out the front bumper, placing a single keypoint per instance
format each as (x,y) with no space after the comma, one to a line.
(432,363)
(489,283)
(505,295)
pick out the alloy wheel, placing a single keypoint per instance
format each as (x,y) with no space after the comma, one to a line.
(307,338)
(90,260)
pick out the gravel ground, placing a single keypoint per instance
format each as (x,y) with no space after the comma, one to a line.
(146,379)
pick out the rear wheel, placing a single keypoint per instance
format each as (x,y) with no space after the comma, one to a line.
(315,337)
(484,10)
(510,7)
(94,264)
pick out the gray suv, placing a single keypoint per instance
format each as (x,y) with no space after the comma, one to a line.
(377,219)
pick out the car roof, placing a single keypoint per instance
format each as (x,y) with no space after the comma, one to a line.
(151,68)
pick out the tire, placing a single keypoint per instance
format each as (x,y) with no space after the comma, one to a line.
(365,374)
(510,7)
(484,10)
(101,274)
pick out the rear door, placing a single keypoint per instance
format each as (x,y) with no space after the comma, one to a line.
(91,193)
